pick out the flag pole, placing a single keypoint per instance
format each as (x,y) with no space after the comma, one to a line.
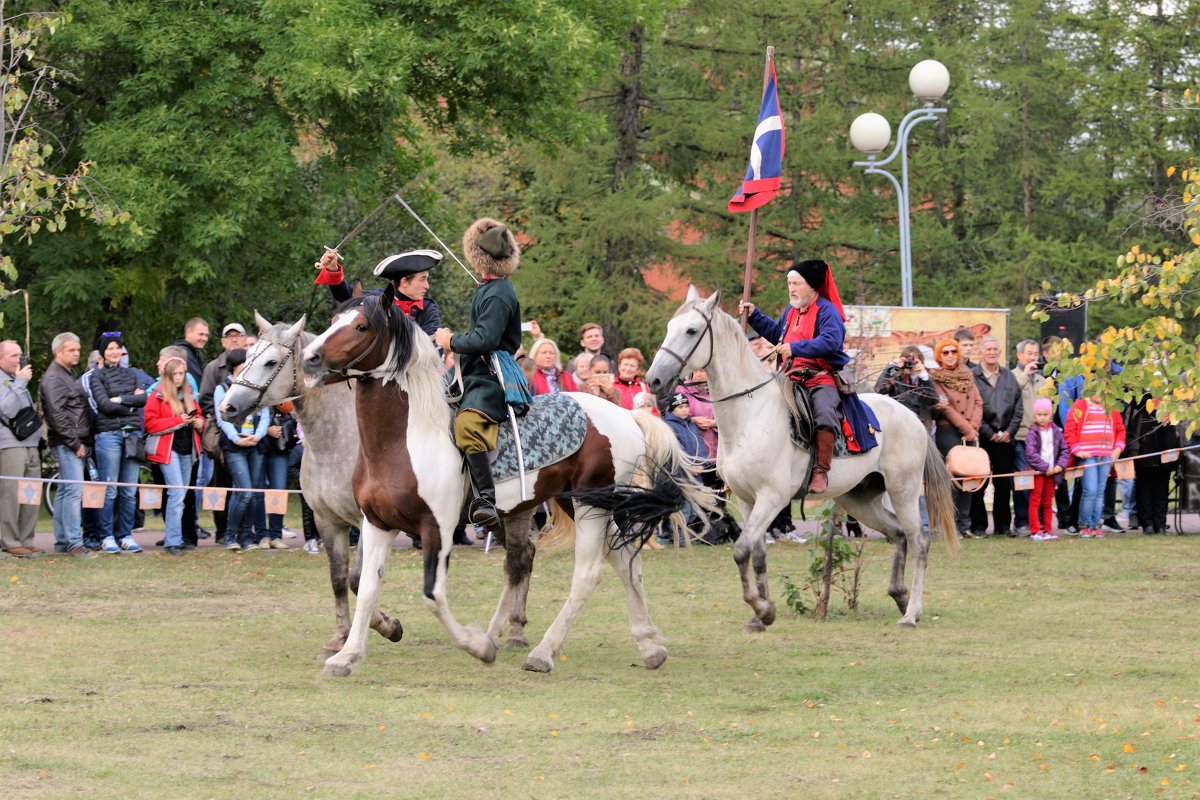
(746,277)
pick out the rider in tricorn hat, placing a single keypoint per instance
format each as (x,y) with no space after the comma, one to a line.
(495,325)
(409,272)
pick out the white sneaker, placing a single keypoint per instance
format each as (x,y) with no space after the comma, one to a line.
(109,545)
(792,536)
(313,547)
(288,533)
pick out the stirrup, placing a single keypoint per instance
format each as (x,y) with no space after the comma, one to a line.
(483,514)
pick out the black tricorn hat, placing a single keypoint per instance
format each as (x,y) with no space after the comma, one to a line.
(405,265)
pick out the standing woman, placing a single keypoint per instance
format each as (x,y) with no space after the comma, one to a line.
(118,397)
(173,422)
(244,458)
(958,414)
(633,390)
(282,438)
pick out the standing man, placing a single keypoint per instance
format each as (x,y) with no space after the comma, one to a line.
(18,457)
(1002,415)
(966,346)
(591,339)
(65,404)
(195,337)
(409,273)
(216,473)
(1031,380)
(495,325)
(810,333)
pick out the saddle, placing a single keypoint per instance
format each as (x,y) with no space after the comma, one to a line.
(553,429)
(802,429)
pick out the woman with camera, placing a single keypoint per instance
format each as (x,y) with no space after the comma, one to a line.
(173,422)
(907,380)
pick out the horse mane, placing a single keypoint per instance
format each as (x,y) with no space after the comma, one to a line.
(412,360)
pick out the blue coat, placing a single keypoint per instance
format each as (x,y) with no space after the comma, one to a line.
(829,334)
(689,436)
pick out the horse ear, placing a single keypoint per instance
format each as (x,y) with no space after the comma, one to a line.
(693,293)
(389,296)
(261,322)
(291,333)
(713,302)
(356,289)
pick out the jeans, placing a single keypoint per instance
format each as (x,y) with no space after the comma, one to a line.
(68,500)
(119,502)
(246,468)
(277,478)
(178,472)
(1021,497)
(1095,478)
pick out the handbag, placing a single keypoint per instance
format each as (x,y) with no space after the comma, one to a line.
(24,423)
(135,447)
(969,467)
(210,441)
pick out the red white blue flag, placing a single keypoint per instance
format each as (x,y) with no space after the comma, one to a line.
(766,154)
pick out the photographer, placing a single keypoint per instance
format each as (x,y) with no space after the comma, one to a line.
(907,380)
(19,436)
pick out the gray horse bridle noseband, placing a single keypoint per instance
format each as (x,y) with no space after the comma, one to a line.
(683,360)
(261,388)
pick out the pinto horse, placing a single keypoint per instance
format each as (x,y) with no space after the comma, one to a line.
(271,375)
(409,477)
(765,469)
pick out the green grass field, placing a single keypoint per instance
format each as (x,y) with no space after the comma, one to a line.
(1059,670)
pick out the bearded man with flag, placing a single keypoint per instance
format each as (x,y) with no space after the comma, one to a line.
(809,335)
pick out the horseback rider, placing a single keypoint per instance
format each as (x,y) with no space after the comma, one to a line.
(810,333)
(494,326)
(409,272)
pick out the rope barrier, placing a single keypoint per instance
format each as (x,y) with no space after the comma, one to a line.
(1112,462)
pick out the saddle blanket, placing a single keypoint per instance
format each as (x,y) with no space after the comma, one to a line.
(552,430)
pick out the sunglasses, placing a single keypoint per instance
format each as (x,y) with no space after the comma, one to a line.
(949,351)
(110,335)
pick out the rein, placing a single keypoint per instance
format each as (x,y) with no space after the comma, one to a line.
(262,388)
(345,371)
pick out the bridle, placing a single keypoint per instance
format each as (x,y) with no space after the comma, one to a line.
(345,371)
(289,354)
(708,332)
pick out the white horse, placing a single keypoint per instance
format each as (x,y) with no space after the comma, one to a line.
(409,477)
(765,469)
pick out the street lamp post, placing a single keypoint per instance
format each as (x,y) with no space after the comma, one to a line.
(870,134)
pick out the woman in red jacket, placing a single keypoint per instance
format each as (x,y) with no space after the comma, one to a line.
(548,375)
(173,422)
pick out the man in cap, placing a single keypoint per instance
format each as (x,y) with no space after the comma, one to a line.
(810,333)
(409,272)
(495,326)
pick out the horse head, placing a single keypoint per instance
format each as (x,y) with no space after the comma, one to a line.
(368,336)
(688,345)
(271,374)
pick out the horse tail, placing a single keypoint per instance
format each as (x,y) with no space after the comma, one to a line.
(559,533)
(664,451)
(939,501)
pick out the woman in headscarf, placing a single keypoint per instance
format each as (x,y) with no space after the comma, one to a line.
(958,415)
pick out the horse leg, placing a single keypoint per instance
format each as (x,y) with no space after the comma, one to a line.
(387,626)
(436,551)
(374,543)
(518,565)
(590,525)
(627,563)
(335,538)
(902,528)
(750,553)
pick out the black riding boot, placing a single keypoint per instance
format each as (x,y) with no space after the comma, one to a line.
(483,507)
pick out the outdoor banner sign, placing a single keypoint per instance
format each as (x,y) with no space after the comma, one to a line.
(875,335)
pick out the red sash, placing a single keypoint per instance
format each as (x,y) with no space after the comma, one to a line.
(800,328)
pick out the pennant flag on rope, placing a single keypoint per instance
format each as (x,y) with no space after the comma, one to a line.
(1169,455)
(275,501)
(149,497)
(766,154)
(93,495)
(213,499)
(29,493)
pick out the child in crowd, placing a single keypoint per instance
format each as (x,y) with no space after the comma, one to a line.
(1096,436)
(1045,451)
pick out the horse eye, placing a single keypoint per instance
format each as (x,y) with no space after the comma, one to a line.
(360,328)
(691,331)
(272,363)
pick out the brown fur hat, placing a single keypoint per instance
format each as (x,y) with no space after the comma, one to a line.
(491,249)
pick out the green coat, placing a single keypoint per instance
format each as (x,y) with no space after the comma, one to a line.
(495,324)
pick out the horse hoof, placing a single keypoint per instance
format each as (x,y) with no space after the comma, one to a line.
(535,663)
(656,659)
(907,623)
(397,633)
(517,643)
(337,670)
(755,625)
(768,615)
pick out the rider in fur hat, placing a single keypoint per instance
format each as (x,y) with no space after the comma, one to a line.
(495,325)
